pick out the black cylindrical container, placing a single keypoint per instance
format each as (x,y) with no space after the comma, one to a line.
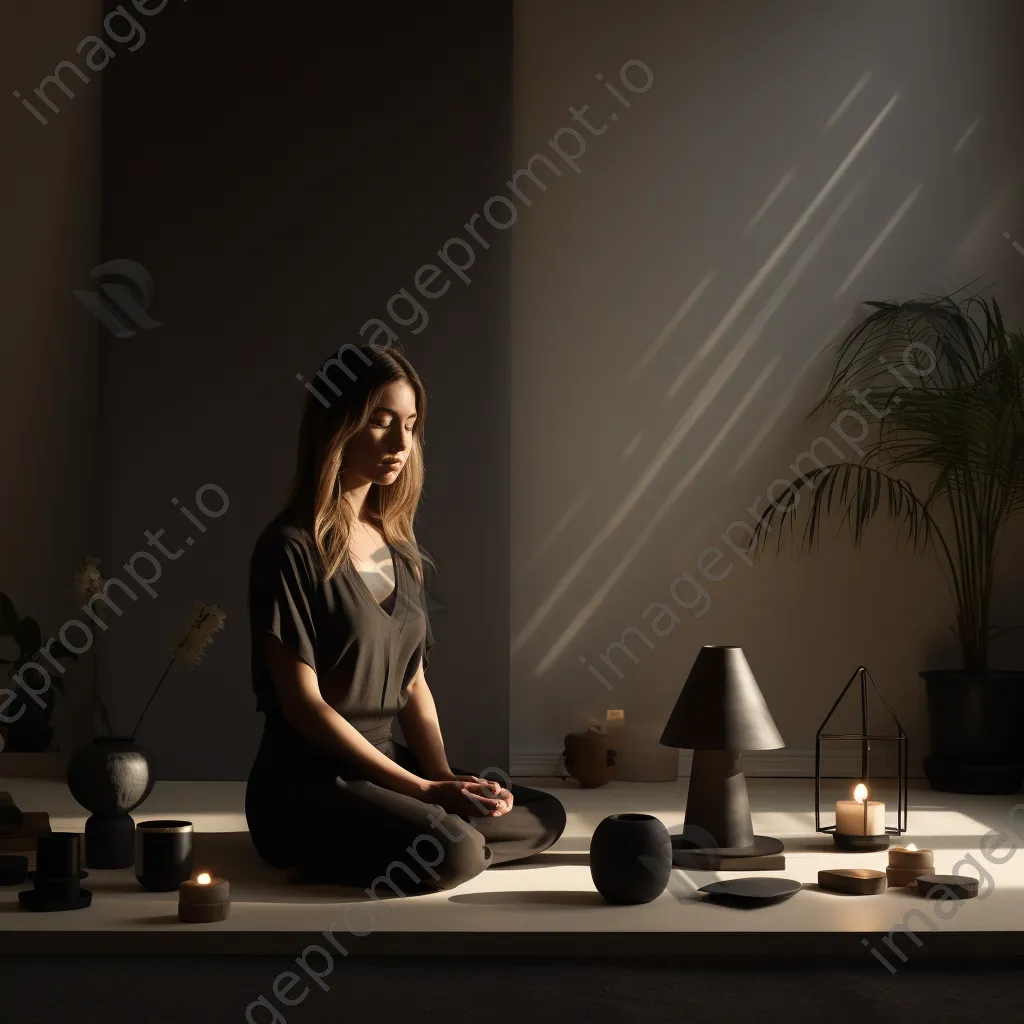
(630,858)
(58,855)
(58,866)
(163,854)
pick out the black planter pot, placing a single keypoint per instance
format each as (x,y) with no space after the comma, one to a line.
(976,728)
(630,858)
(110,777)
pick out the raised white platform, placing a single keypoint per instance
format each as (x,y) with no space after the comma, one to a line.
(548,905)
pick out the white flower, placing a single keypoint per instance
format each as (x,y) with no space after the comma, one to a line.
(204,620)
(88,581)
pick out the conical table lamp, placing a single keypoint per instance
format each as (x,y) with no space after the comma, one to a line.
(720,712)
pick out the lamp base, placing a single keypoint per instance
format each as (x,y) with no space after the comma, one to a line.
(860,844)
(713,858)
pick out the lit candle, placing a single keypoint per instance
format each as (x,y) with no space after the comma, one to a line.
(204,899)
(908,863)
(860,816)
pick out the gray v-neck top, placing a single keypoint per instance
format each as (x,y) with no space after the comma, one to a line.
(363,656)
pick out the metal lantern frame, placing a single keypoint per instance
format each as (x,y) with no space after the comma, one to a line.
(865,737)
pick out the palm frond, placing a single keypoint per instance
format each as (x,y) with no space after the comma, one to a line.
(855,490)
(940,378)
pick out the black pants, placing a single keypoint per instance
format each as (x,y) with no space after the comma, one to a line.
(357,833)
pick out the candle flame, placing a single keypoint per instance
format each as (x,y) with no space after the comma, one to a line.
(204,879)
(860,794)
(911,846)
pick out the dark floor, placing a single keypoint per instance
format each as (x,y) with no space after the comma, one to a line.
(193,989)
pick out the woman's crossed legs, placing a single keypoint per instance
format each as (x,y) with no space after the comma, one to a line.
(359,833)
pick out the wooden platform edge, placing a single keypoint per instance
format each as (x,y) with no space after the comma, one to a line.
(692,948)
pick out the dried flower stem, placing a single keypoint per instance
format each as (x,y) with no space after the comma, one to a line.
(150,701)
(98,705)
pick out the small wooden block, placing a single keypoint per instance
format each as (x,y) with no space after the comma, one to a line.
(855,881)
(961,886)
(33,825)
(898,877)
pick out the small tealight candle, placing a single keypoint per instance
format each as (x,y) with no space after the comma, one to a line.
(204,899)
(908,863)
(860,816)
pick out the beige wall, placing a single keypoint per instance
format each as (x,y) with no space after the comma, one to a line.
(789,160)
(49,208)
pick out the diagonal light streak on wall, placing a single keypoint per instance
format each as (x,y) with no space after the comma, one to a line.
(688,303)
(708,393)
(880,238)
(546,544)
(780,251)
(584,614)
(966,135)
(850,97)
(772,196)
(631,447)
(783,403)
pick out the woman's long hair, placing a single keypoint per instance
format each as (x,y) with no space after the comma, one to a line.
(315,501)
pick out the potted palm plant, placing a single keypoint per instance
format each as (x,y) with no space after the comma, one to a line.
(940,380)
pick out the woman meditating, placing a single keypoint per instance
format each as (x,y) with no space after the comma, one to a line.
(340,642)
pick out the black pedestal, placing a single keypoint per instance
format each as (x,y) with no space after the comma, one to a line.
(717,806)
(110,841)
(725,858)
(717,826)
(860,844)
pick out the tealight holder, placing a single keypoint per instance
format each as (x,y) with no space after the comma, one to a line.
(907,864)
(204,899)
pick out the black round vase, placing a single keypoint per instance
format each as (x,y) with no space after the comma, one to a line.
(110,777)
(976,731)
(630,858)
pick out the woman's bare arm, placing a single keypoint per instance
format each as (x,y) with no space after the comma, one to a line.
(422,730)
(312,717)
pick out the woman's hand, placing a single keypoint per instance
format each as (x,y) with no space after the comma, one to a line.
(486,787)
(448,776)
(490,789)
(469,797)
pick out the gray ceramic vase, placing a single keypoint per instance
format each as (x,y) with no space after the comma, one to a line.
(110,777)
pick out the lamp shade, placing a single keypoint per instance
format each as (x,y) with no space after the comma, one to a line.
(720,707)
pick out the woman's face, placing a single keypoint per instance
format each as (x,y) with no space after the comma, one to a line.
(378,452)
